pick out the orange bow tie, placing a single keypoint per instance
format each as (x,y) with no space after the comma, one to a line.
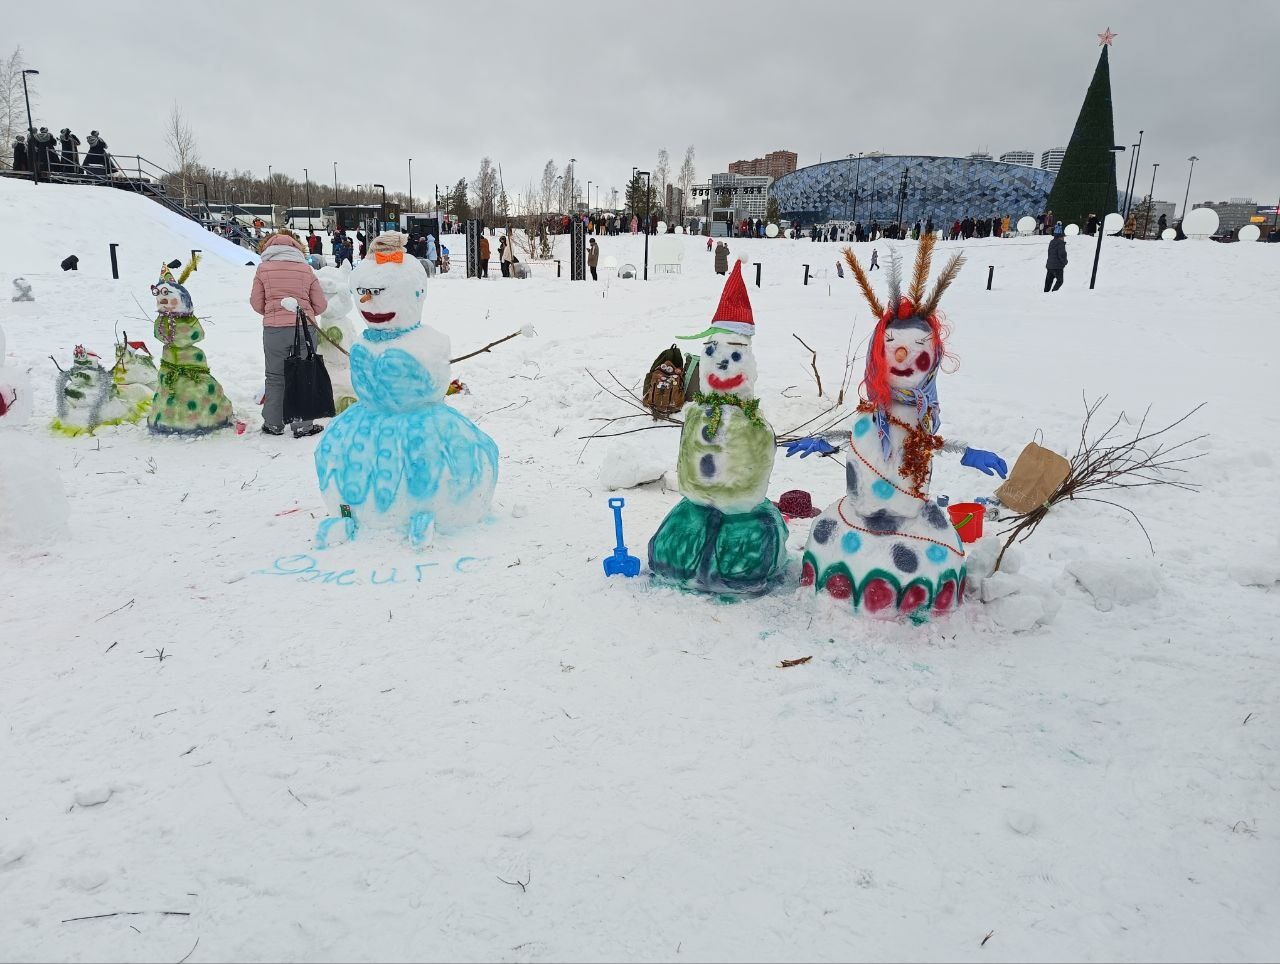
(382,257)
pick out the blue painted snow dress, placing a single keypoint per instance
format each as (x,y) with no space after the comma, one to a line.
(401,441)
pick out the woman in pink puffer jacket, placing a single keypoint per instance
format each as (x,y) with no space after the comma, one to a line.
(283,273)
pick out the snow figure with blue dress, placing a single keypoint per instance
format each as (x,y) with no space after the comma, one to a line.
(886,547)
(401,457)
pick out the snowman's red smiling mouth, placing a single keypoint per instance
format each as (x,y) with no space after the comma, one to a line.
(378,317)
(724,384)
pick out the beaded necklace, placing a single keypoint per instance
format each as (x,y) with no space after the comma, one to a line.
(917,450)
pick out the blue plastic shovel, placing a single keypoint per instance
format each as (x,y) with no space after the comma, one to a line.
(621,562)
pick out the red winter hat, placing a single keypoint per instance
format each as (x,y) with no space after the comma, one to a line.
(798,504)
(733,315)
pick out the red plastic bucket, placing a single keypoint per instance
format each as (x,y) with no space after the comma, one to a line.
(967,518)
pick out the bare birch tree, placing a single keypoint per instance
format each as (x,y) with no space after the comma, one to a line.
(547,189)
(13,111)
(661,177)
(183,148)
(687,176)
(484,191)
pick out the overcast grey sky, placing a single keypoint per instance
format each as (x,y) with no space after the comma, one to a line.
(371,84)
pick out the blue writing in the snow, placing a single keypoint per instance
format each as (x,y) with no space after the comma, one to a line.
(306,569)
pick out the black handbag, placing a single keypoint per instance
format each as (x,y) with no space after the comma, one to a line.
(308,394)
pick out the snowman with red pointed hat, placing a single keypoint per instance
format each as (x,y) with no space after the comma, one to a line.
(724,536)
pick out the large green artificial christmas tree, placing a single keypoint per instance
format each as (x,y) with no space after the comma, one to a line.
(1086,182)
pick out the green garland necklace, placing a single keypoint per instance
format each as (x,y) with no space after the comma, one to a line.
(717,401)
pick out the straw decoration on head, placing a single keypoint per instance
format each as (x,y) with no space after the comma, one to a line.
(920,277)
(864,282)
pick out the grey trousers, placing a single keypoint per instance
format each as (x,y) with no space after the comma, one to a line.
(276,344)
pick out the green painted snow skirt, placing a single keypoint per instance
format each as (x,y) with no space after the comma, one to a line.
(699,547)
(189,400)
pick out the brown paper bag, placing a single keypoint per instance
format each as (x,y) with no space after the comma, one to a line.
(1035,476)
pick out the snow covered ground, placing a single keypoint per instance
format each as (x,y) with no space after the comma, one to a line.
(488,751)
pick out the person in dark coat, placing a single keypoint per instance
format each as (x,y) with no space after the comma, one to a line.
(20,162)
(1162,224)
(722,258)
(95,158)
(593,257)
(1056,261)
(70,145)
(45,159)
(1091,225)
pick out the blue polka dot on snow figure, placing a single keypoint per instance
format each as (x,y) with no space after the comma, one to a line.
(936,554)
(822,530)
(851,542)
(882,488)
(862,427)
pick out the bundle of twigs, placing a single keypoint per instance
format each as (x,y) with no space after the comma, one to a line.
(1106,463)
(629,398)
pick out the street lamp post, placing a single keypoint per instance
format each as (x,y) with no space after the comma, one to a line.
(588,195)
(902,200)
(875,181)
(1097,248)
(306,179)
(411,184)
(1186,196)
(572,161)
(31,127)
(1151,199)
(382,209)
(645,175)
(208,218)
(857,181)
(1137,153)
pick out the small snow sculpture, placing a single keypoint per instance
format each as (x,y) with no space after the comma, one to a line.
(22,290)
(84,396)
(724,535)
(134,377)
(189,400)
(401,457)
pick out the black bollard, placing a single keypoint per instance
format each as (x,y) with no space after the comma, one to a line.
(991,273)
(557,267)
(115,268)
(757,264)
(806,274)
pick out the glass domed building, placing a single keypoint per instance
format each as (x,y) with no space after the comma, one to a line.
(946,189)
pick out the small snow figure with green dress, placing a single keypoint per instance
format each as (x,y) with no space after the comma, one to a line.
(189,400)
(84,396)
(724,536)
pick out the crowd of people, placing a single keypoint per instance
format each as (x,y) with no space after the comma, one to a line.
(42,154)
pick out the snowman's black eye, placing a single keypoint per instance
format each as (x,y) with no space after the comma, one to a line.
(710,350)
(736,356)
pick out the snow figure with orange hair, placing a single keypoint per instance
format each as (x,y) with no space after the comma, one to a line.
(886,547)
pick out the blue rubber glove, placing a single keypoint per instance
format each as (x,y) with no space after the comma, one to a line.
(985,461)
(808,446)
